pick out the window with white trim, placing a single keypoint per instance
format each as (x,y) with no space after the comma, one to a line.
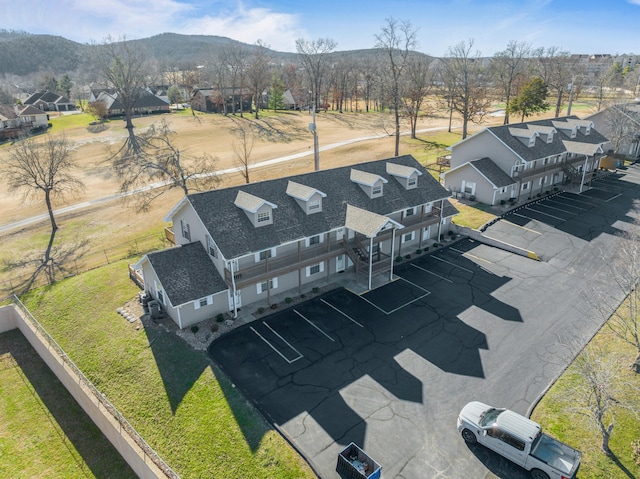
(211,247)
(264,287)
(376,190)
(412,181)
(409,212)
(525,186)
(313,205)
(263,216)
(202,302)
(317,239)
(503,190)
(186,231)
(315,269)
(263,255)
(408,237)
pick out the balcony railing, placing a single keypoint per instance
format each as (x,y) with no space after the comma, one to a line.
(555,167)
(309,256)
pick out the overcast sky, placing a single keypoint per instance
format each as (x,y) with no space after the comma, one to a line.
(577,26)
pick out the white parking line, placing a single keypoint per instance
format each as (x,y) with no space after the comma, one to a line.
(431,272)
(427,293)
(343,314)
(452,264)
(545,205)
(563,203)
(613,197)
(546,214)
(300,356)
(320,330)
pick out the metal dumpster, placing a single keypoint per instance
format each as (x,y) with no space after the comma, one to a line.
(354,463)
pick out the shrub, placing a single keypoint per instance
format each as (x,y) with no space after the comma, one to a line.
(274,306)
(260,310)
(503,202)
(418,251)
(407,256)
(451,233)
(399,258)
(214,327)
(436,245)
(287,300)
(315,290)
(194,328)
(426,248)
(219,317)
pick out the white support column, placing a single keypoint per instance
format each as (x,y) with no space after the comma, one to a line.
(393,247)
(370,259)
(584,172)
(233,293)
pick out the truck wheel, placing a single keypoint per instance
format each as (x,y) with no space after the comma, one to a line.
(470,437)
(538,474)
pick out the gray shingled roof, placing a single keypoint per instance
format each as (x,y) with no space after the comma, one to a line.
(186,273)
(542,149)
(236,236)
(493,172)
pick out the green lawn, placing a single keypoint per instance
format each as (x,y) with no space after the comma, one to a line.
(181,404)
(43,431)
(556,415)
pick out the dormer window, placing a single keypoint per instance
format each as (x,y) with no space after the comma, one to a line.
(546,131)
(407,176)
(259,211)
(526,136)
(309,199)
(263,216)
(370,183)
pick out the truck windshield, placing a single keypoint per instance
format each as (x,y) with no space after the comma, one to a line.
(490,416)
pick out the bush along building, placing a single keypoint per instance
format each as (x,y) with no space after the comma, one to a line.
(241,245)
(520,161)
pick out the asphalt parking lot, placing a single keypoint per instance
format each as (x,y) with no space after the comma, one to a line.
(390,369)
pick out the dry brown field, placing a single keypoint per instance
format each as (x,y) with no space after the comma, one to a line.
(117,223)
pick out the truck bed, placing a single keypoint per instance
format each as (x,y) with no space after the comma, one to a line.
(558,455)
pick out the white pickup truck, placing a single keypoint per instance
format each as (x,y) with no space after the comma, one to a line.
(519,439)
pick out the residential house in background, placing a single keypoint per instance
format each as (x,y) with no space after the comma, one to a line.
(18,120)
(240,245)
(49,101)
(147,103)
(221,100)
(512,162)
(621,125)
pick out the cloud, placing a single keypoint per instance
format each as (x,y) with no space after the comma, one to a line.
(279,30)
(94,20)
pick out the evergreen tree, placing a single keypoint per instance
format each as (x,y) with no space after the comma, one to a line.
(532,98)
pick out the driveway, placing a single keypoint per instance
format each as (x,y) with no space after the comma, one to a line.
(390,369)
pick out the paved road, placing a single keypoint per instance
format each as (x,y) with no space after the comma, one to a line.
(391,369)
(34,219)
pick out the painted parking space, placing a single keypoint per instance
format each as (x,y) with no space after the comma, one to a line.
(396,295)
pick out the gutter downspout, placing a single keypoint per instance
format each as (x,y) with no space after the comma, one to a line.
(370,260)
(233,293)
(441,217)
(393,247)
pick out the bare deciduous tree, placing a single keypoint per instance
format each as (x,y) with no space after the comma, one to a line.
(123,67)
(600,390)
(621,126)
(244,139)
(396,39)
(258,74)
(418,85)
(314,56)
(623,319)
(160,167)
(43,168)
(510,69)
(466,79)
